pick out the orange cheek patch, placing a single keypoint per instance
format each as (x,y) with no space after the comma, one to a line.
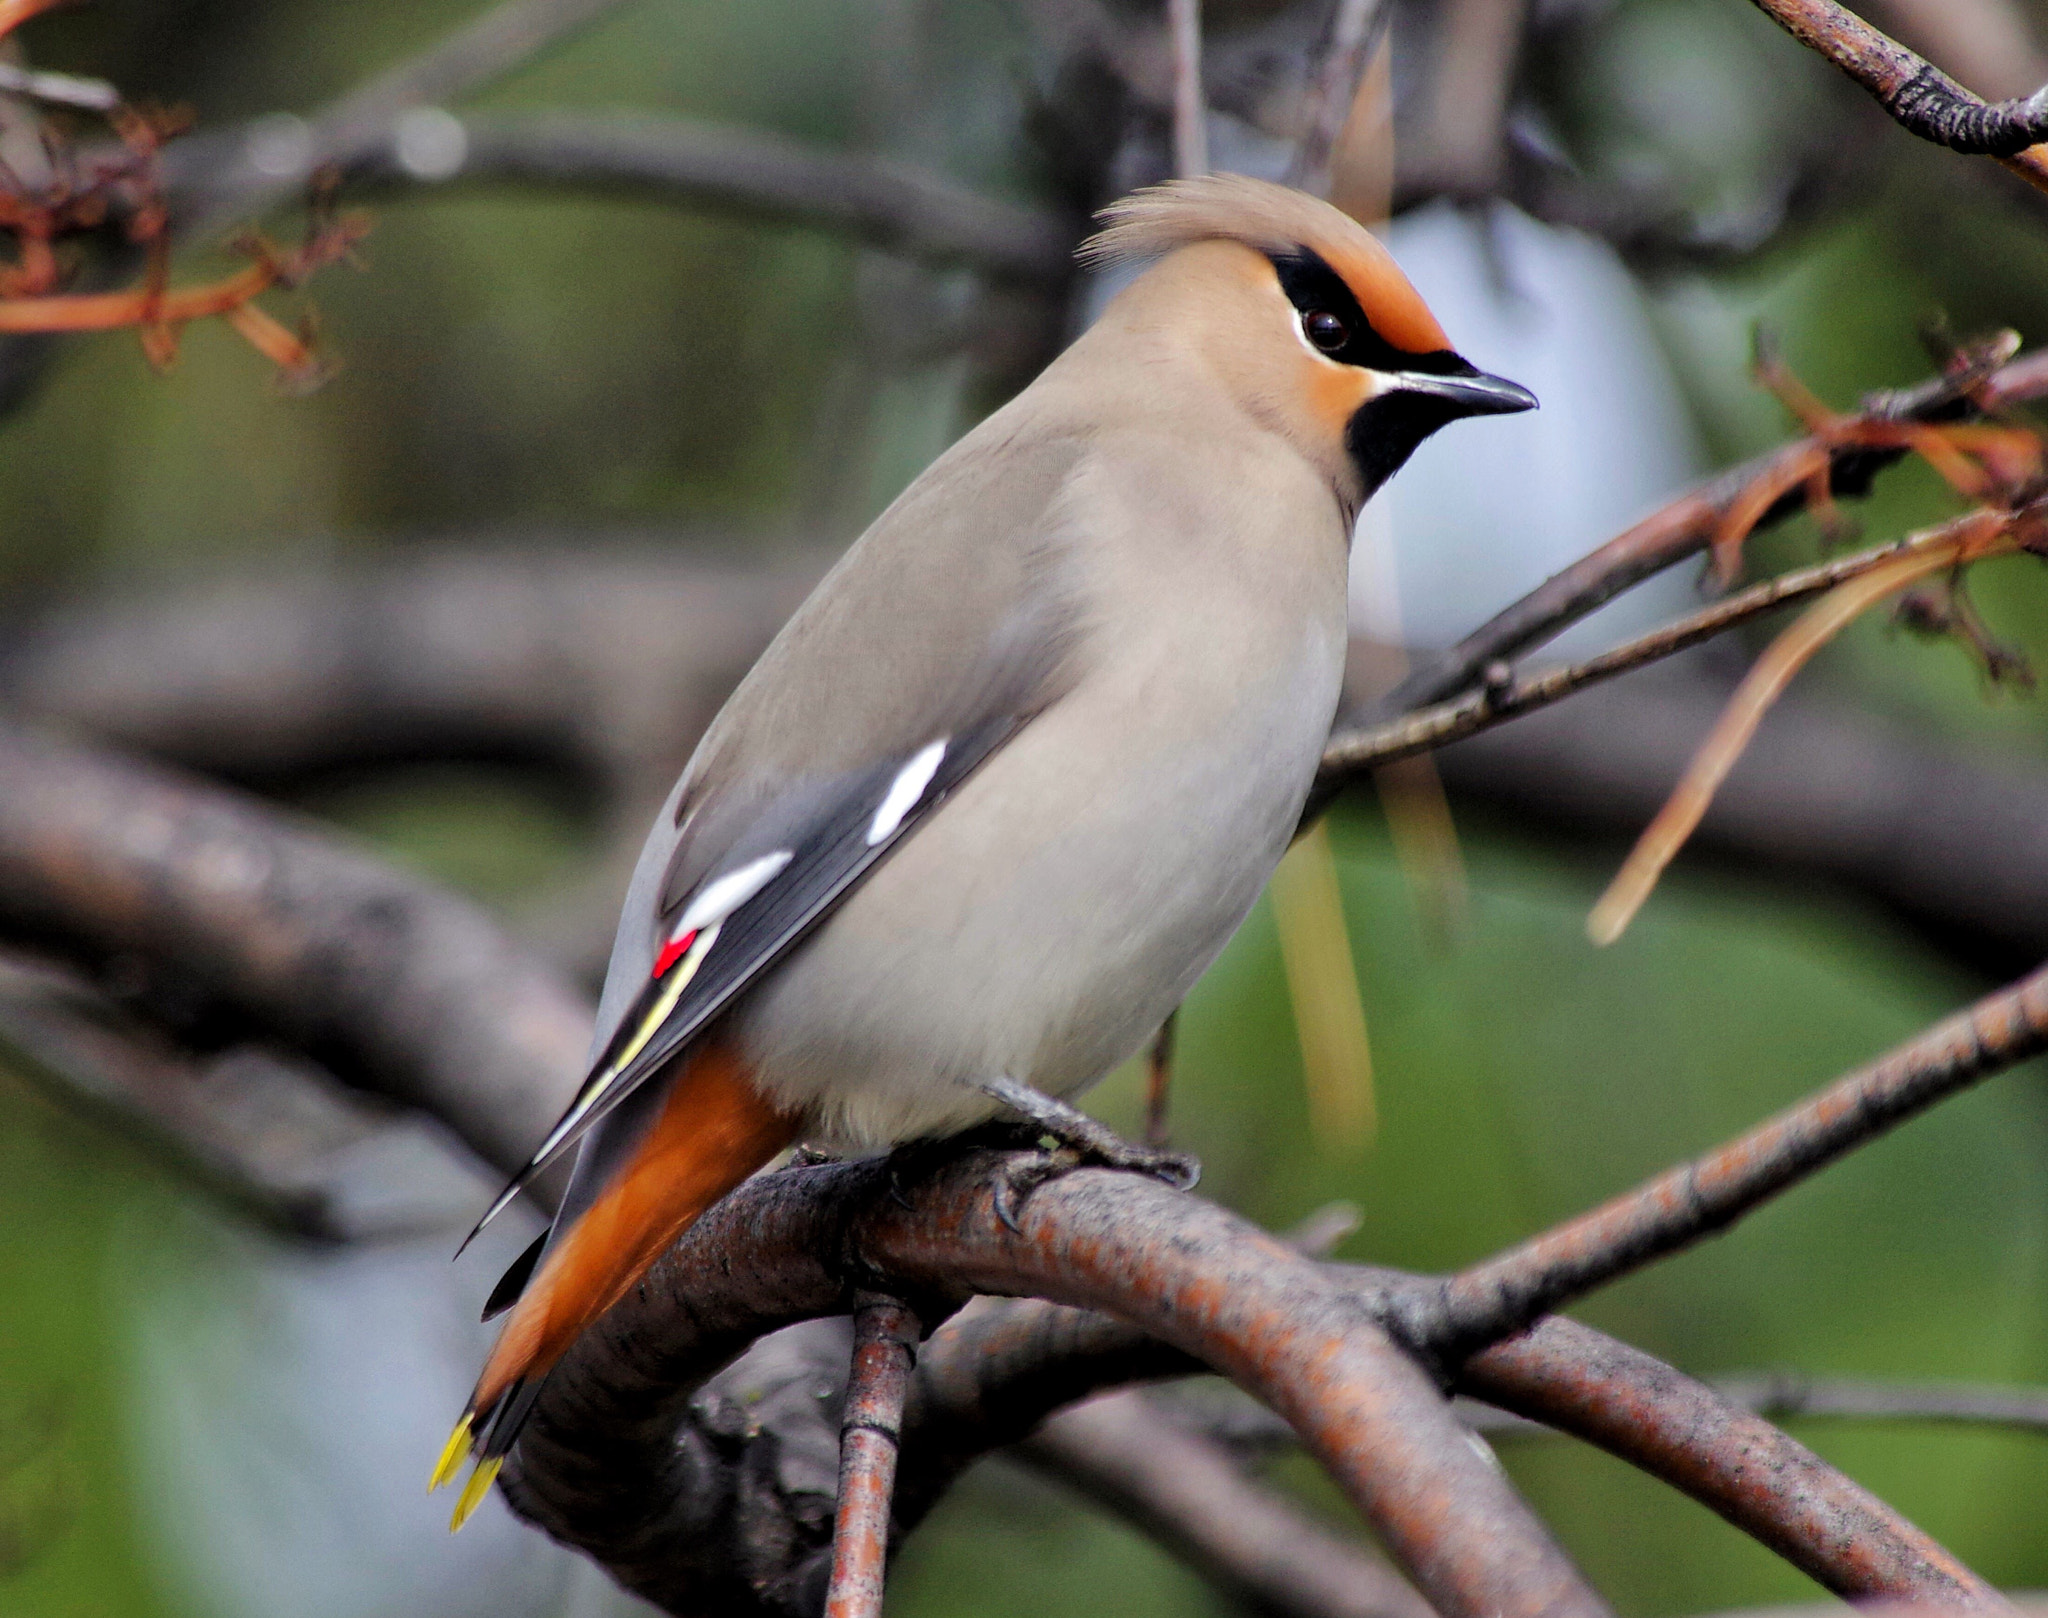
(1334,393)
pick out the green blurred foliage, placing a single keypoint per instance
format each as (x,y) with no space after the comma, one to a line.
(556,367)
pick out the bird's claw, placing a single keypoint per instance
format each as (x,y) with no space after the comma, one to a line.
(1078,1141)
(1022,1174)
(1181,1170)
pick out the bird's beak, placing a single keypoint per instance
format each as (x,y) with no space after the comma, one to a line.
(1473,394)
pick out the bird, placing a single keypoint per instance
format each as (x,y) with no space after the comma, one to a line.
(1010,778)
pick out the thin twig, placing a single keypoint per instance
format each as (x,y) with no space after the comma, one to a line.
(885,1334)
(1917,94)
(1981,534)
(1780,1395)
(1190,106)
(1354,32)
(1687,525)
(59,89)
(1699,1198)
(1505,697)
(1795,1395)
(1159,1080)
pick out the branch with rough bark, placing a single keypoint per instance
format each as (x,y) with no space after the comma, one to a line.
(1917,94)
(644,1445)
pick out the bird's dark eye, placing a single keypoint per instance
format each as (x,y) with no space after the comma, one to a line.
(1327,331)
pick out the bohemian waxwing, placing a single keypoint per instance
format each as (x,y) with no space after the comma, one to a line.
(1006,783)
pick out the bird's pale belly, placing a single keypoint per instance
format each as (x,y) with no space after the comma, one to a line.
(1044,919)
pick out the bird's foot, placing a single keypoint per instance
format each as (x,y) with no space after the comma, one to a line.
(1080,1142)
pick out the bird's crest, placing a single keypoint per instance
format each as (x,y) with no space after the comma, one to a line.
(1279,222)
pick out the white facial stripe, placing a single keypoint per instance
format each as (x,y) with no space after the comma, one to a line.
(720,898)
(905,790)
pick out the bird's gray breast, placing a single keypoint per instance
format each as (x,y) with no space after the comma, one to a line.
(1043,921)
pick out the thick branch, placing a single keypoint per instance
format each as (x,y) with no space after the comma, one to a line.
(274,1135)
(1025,1359)
(625,1496)
(397,986)
(595,1467)
(604,663)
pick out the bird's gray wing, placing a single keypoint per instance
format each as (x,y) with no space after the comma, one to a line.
(780,815)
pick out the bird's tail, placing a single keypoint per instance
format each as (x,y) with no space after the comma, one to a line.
(713,1130)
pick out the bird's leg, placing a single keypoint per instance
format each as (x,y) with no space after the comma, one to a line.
(1087,1143)
(1158,1079)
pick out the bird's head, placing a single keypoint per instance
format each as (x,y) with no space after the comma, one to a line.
(1303,316)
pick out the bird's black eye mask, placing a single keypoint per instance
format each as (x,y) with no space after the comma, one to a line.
(1384,431)
(1336,327)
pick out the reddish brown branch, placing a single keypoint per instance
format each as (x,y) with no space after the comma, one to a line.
(1185,1493)
(1705,1196)
(1688,525)
(885,1335)
(1699,1441)
(1022,1359)
(1192,1274)
(1916,93)
(97,858)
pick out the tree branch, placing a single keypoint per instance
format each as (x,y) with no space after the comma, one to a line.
(1027,1358)
(596,1466)
(1248,1541)
(407,991)
(220,177)
(629,1459)
(748,173)
(1701,1442)
(1353,752)
(1687,526)
(1916,93)
(271,1133)
(1705,1196)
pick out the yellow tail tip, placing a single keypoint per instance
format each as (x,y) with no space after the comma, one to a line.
(452,1457)
(474,1490)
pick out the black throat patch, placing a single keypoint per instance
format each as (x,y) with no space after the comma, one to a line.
(1384,431)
